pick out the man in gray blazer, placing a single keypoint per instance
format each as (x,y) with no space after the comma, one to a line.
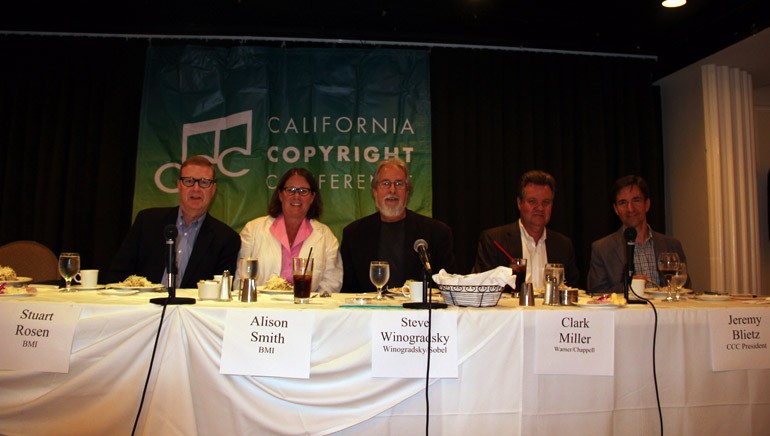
(631,202)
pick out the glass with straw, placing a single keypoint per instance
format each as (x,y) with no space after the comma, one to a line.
(302,269)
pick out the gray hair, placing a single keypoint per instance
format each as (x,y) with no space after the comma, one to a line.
(398,163)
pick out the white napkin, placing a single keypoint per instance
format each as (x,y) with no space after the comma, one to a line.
(500,276)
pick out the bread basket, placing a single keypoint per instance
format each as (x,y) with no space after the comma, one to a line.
(471,295)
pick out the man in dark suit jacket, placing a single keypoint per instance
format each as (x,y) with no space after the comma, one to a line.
(390,233)
(535,202)
(205,246)
(631,202)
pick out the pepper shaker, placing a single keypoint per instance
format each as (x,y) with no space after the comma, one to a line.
(224,286)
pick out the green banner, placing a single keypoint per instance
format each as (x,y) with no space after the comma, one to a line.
(256,112)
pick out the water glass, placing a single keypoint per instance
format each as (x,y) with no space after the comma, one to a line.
(69,266)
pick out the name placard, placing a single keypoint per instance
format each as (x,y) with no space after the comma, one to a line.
(400,344)
(267,343)
(739,338)
(575,342)
(37,336)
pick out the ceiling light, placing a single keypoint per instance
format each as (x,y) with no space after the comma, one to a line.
(673,3)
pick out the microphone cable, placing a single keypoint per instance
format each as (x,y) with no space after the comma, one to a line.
(427,374)
(654,358)
(149,370)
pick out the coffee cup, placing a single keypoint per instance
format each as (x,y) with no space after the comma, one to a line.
(638,285)
(208,290)
(88,278)
(415,291)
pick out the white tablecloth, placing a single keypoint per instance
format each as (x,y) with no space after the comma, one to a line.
(497,390)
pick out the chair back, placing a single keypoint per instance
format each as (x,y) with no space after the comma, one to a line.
(30,259)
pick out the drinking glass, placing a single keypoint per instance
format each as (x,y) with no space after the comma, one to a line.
(554,274)
(302,270)
(379,274)
(519,267)
(69,266)
(668,265)
(679,279)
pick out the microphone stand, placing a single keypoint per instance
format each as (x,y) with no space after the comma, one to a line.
(427,296)
(627,279)
(172,299)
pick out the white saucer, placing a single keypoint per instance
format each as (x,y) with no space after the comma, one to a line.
(119,292)
(88,288)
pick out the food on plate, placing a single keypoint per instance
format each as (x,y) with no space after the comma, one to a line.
(134,281)
(277,283)
(15,290)
(7,274)
(613,298)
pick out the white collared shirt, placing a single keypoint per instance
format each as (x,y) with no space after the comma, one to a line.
(536,256)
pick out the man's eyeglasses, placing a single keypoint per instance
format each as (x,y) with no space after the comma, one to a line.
(386,184)
(203,183)
(303,192)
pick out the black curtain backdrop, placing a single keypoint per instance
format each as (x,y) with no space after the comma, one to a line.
(69,120)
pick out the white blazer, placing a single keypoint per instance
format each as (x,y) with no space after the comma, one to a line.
(258,242)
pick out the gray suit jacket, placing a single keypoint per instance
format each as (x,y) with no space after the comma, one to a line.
(608,258)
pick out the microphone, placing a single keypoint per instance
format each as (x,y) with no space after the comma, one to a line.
(169,234)
(421,247)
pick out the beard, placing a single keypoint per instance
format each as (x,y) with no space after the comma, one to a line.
(392,211)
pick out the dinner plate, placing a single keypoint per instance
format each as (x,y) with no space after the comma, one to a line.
(120,287)
(119,292)
(708,297)
(44,287)
(597,305)
(663,293)
(88,288)
(21,295)
(18,281)
(262,290)
(743,296)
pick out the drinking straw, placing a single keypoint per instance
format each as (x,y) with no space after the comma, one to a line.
(503,250)
(308,261)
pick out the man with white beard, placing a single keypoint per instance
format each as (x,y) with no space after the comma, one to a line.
(390,233)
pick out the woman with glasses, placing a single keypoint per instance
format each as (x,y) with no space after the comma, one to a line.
(291,229)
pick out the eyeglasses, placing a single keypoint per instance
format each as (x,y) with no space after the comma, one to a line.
(303,192)
(203,183)
(386,184)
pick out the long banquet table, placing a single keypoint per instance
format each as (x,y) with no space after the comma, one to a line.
(497,390)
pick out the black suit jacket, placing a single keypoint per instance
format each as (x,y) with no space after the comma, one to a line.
(558,247)
(143,251)
(361,241)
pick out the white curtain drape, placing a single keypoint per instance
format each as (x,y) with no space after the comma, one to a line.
(731,178)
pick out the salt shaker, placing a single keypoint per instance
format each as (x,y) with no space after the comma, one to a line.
(224,286)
